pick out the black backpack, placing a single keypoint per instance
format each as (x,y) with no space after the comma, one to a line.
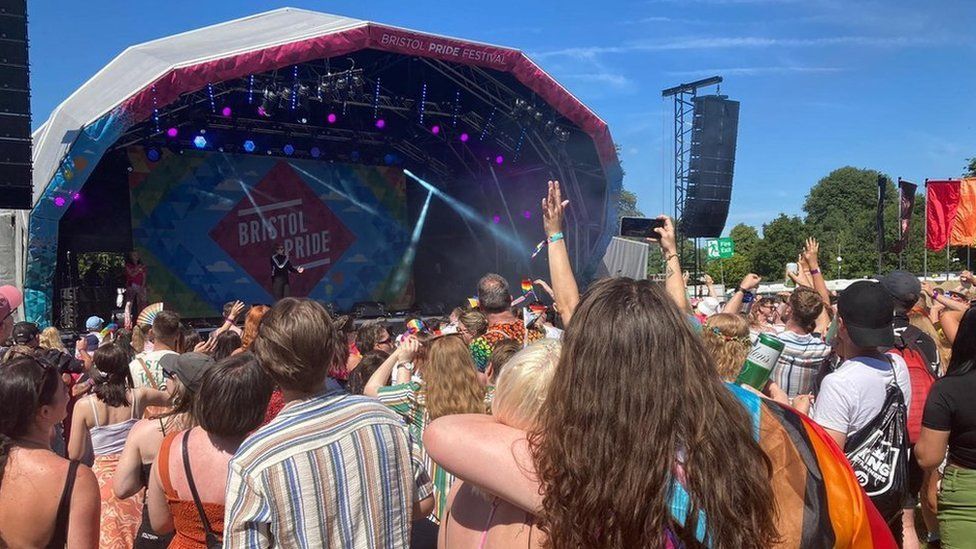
(878,453)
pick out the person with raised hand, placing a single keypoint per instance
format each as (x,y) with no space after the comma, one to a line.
(560,268)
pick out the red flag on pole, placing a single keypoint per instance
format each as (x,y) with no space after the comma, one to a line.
(942,201)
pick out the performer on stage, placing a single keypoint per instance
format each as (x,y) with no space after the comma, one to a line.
(135,281)
(280,267)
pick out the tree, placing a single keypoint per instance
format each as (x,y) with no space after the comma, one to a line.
(627,205)
(971,168)
(783,239)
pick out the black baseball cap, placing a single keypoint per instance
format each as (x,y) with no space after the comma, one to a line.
(24,332)
(903,286)
(867,309)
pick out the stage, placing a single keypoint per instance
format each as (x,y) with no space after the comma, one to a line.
(394,166)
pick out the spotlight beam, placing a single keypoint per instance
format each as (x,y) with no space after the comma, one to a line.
(406,263)
(368,209)
(466,211)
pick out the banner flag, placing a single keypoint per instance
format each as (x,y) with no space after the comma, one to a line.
(941,203)
(906,202)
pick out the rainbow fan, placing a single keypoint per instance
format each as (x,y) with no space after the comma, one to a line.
(148,315)
(110,329)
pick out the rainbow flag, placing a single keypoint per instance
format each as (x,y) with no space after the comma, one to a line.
(414,325)
(107,330)
(526,285)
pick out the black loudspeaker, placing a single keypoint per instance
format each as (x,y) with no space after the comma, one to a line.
(16,188)
(713,136)
(368,309)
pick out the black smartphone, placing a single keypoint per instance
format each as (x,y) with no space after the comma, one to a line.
(640,227)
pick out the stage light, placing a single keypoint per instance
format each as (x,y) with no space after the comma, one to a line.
(499,159)
(331,119)
(173,132)
(153,154)
(303,120)
(315,152)
(76,196)
(199,141)
(435,129)
(249,146)
(527,214)
(380,123)
(289,149)
(59,201)
(263,112)
(226,112)
(496,219)
(464,138)
(389,159)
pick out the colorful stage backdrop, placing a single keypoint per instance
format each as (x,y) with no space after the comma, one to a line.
(207,223)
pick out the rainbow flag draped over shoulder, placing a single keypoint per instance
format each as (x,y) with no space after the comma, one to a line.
(820,503)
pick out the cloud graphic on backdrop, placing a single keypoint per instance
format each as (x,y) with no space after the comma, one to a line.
(220,267)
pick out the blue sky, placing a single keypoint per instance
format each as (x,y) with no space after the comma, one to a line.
(887,85)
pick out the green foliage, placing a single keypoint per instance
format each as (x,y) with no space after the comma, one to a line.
(782,240)
(627,205)
(970,167)
(731,271)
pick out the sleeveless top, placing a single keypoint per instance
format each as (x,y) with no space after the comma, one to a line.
(186,519)
(110,439)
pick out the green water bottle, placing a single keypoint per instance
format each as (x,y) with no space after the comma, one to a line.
(760,362)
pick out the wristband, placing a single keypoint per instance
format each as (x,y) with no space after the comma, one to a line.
(935,296)
(669,257)
(814,272)
(556,238)
(229,319)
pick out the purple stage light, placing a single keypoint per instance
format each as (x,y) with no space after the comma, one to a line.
(332,118)
(76,196)
(226,112)
(380,123)
(435,129)
(496,219)
(59,201)
(172,132)
(315,152)
(289,149)
(262,112)
(499,159)
(527,214)
(464,138)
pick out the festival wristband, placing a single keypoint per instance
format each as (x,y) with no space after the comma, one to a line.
(669,257)
(814,272)
(935,296)
(229,319)
(556,238)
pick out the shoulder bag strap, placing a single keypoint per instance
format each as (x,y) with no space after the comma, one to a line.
(152,378)
(193,487)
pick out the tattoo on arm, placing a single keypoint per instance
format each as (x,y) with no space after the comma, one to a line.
(669,272)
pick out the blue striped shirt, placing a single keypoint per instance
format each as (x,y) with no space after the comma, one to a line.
(331,471)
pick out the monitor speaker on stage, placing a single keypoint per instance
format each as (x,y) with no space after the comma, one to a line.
(713,137)
(16,189)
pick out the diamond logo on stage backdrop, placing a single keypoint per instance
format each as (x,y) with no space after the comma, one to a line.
(282,209)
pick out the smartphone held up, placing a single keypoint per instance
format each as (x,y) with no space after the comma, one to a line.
(641,227)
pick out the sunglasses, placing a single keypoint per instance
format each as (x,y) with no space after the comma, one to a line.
(168,374)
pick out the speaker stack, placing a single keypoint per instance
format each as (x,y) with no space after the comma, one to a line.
(16,188)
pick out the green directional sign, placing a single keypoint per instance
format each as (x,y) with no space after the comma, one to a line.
(721,248)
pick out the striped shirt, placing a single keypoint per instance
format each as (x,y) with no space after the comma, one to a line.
(331,471)
(797,368)
(407,399)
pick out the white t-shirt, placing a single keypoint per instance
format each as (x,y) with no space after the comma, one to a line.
(139,377)
(852,395)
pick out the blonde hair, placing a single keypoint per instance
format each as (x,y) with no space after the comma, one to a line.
(524,383)
(475,322)
(726,338)
(51,339)
(138,342)
(451,385)
(921,321)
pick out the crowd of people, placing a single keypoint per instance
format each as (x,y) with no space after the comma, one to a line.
(616,417)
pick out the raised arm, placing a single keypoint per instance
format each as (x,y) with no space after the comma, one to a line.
(948,303)
(463,443)
(748,284)
(674,283)
(710,285)
(404,353)
(564,286)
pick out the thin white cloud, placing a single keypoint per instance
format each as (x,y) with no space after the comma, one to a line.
(756,42)
(757,71)
(611,79)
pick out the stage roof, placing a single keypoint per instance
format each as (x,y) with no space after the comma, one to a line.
(160,70)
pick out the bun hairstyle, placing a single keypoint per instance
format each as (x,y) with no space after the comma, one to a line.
(25,385)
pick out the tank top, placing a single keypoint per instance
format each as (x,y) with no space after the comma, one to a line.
(110,439)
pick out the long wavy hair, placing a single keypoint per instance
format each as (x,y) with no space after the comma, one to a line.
(450,385)
(634,395)
(726,338)
(251,323)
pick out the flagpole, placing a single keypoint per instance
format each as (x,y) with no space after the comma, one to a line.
(901,251)
(925,247)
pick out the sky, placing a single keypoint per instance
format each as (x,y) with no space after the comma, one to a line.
(886,85)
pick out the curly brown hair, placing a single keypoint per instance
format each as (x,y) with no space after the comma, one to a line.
(634,393)
(726,338)
(251,323)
